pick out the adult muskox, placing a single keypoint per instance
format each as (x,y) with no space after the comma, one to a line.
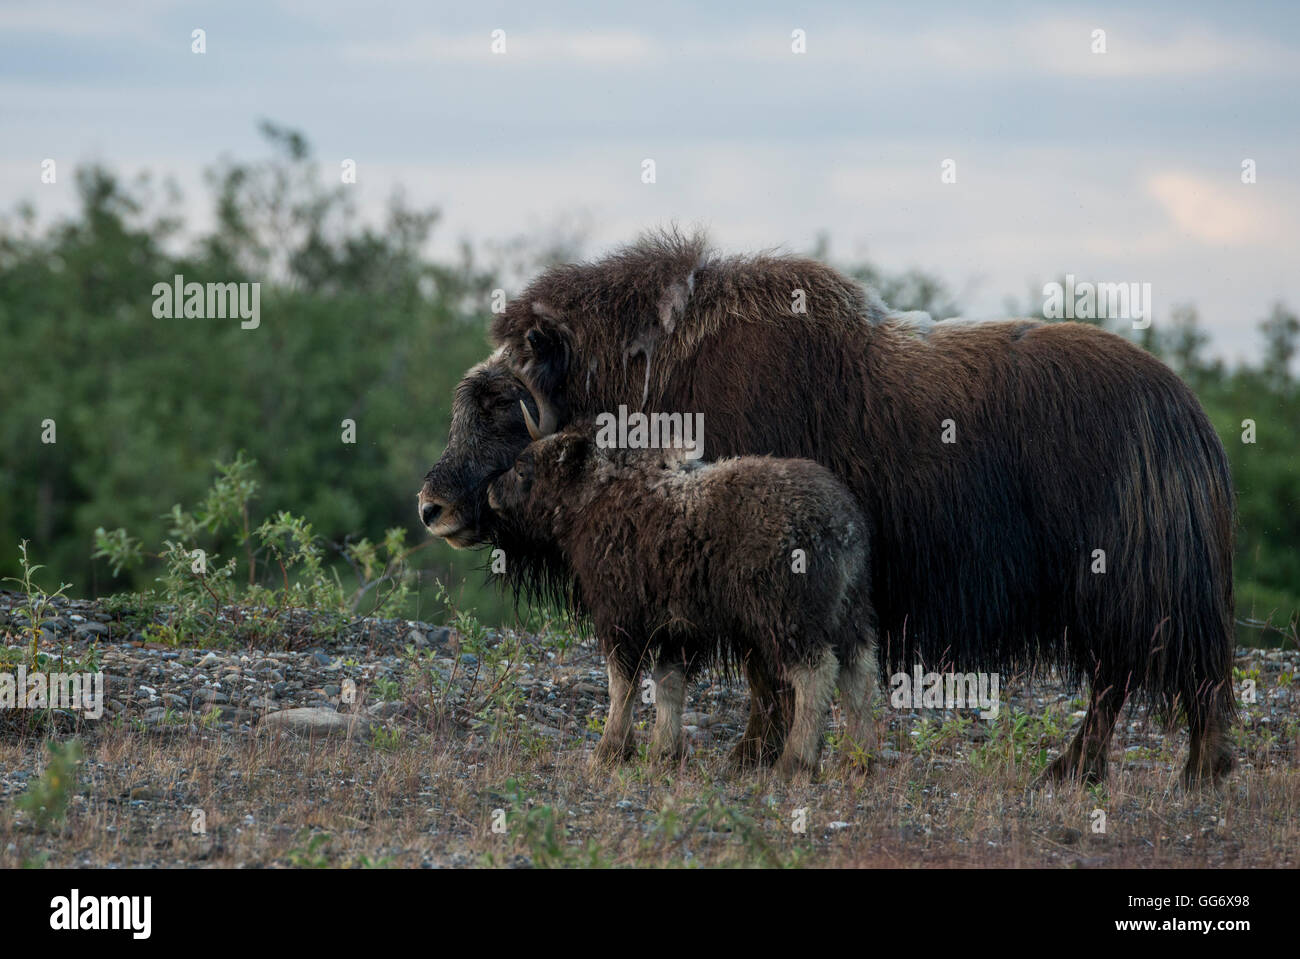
(992,461)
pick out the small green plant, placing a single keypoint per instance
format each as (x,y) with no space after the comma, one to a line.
(284,567)
(1018,738)
(46,799)
(387,690)
(542,830)
(315,854)
(36,604)
(492,696)
(388,740)
(929,735)
(710,819)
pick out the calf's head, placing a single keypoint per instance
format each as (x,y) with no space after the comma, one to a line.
(548,474)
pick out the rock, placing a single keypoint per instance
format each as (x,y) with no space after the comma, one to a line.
(316,722)
(1065,835)
(383,710)
(214,696)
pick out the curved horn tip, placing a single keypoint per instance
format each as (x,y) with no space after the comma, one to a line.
(533,432)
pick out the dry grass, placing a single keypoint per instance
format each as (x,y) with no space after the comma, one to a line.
(947,796)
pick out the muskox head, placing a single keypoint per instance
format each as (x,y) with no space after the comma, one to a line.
(494,415)
(526,495)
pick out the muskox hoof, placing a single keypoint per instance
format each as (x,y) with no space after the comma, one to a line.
(791,770)
(1209,772)
(666,755)
(609,754)
(748,754)
(1067,767)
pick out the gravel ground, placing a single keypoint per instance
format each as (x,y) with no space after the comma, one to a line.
(384,742)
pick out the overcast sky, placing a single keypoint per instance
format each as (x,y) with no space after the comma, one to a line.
(1116,166)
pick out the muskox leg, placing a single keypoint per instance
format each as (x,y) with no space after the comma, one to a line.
(764,735)
(1210,758)
(1085,758)
(858,690)
(813,688)
(616,744)
(670,695)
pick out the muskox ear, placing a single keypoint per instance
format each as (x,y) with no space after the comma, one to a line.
(546,356)
(575,451)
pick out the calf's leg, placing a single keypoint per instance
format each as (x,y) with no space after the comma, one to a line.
(858,689)
(765,731)
(616,744)
(670,695)
(813,686)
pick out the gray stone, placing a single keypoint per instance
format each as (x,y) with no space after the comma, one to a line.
(318,722)
(383,710)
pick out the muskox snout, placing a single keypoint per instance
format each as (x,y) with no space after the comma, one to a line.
(429,513)
(444,518)
(431,508)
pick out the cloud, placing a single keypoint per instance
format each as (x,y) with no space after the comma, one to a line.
(81,18)
(1214,211)
(577,46)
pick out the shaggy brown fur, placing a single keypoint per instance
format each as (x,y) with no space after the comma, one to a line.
(753,561)
(1068,439)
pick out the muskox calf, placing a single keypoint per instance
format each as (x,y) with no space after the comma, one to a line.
(753,562)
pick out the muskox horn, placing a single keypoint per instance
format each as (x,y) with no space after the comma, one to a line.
(544,410)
